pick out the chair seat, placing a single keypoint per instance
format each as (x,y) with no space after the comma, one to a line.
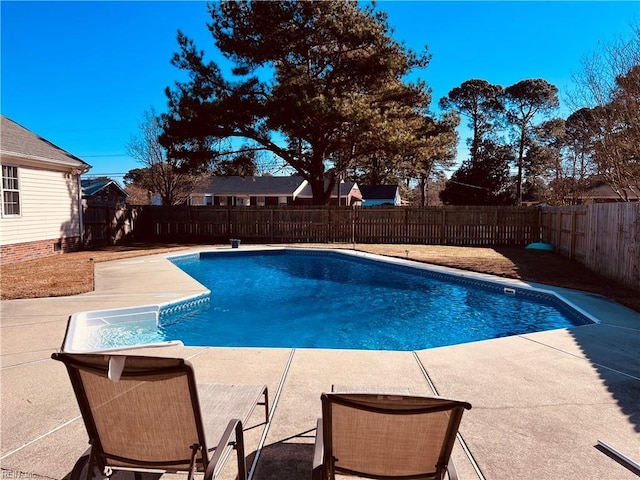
(220,402)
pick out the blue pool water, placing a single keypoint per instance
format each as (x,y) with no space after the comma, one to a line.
(325,300)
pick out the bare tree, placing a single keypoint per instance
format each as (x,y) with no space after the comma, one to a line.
(595,82)
(617,145)
(609,84)
(159,175)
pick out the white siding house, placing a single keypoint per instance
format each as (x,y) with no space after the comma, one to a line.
(41,196)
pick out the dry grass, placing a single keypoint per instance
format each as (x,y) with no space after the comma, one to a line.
(66,274)
(72,273)
(519,263)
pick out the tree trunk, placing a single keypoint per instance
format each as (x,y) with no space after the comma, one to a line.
(523,135)
(320,195)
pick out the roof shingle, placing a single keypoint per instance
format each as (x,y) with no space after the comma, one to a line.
(19,141)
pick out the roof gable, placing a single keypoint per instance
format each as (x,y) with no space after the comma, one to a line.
(17,141)
(346,189)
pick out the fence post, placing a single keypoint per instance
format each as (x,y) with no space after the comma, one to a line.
(353,225)
(271,226)
(109,221)
(406,225)
(540,227)
(572,234)
(559,229)
(330,227)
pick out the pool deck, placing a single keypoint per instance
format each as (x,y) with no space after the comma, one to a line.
(541,402)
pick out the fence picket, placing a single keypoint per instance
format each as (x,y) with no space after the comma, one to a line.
(605,237)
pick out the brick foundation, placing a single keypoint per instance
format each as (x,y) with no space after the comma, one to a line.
(20,252)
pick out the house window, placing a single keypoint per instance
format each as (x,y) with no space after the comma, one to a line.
(10,191)
(282,200)
(260,201)
(208,200)
(223,201)
(243,202)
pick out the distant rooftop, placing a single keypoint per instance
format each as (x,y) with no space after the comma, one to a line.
(91,186)
(236,185)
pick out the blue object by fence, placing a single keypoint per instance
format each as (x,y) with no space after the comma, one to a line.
(540,246)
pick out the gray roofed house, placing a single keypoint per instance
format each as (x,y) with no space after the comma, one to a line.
(380,195)
(267,191)
(41,195)
(103,192)
(248,191)
(599,191)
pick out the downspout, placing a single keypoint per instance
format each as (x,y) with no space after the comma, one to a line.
(78,173)
(80,210)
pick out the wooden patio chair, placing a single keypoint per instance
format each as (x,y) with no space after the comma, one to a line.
(146,414)
(386,436)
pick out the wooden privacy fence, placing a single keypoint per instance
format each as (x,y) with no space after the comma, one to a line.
(475,226)
(604,237)
(107,225)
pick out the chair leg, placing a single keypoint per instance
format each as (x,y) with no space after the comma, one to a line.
(318,472)
(451,470)
(242,464)
(266,405)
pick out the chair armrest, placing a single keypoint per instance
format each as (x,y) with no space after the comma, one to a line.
(225,441)
(451,470)
(318,454)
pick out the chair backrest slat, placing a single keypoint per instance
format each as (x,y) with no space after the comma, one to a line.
(389,435)
(149,417)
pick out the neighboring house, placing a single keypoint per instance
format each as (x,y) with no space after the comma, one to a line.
(41,196)
(380,195)
(266,191)
(103,192)
(248,191)
(600,192)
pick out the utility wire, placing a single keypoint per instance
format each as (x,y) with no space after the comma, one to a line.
(470,186)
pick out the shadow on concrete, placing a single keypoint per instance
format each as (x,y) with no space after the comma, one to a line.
(288,458)
(553,269)
(613,352)
(117,475)
(612,347)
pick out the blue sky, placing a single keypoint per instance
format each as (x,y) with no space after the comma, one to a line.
(80,74)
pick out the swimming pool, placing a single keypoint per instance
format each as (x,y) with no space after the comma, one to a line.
(317,298)
(325,299)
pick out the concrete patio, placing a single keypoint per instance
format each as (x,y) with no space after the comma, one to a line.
(540,401)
